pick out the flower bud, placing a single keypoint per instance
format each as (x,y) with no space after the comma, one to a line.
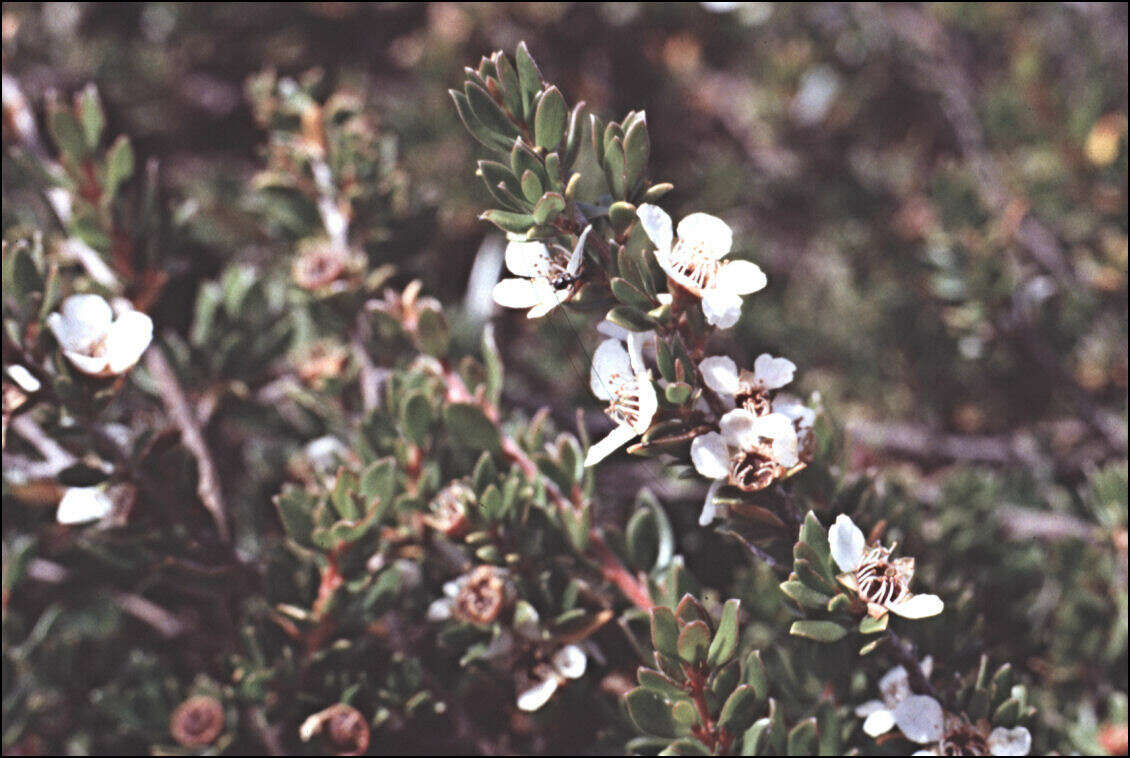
(197,721)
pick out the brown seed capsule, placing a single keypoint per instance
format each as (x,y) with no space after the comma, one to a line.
(963,738)
(344,729)
(753,471)
(448,511)
(197,721)
(322,361)
(483,596)
(319,265)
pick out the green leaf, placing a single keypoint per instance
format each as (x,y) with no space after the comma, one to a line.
(415,416)
(726,636)
(820,631)
(756,675)
(1007,714)
(651,712)
(488,111)
(295,507)
(870,625)
(512,94)
(678,393)
(659,682)
(694,641)
(628,294)
(518,223)
(378,482)
(803,595)
(637,150)
(119,165)
(467,423)
(67,133)
(813,534)
(664,631)
(632,319)
(91,115)
(738,713)
(550,119)
(642,539)
(802,738)
(485,136)
(531,186)
(548,207)
(529,75)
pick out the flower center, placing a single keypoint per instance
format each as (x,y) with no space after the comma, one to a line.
(691,259)
(624,408)
(555,268)
(752,471)
(482,597)
(965,739)
(755,401)
(878,580)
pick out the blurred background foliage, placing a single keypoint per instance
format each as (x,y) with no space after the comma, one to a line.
(938,194)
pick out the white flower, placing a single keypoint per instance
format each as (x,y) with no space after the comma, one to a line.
(750,452)
(82,504)
(618,375)
(567,663)
(882,583)
(326,454)
(694,261)
(921,719)
(23,378)
(545,277)
(94,341)
(747,388)
(878,715)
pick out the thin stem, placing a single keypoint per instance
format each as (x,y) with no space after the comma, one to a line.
(906,653)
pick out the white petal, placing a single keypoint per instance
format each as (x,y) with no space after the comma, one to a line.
(709,455)
(863,710)
(1016,741)
(779,428)
(610,366)
(515,293)
(439,610)
(83,321)
(613,441)
(918,607)
(710,508)
(128,338)
(570,662)
(538,695)
(802,416)
(578,252)
(920,719)
(895,685)
(720,374)
(743,277)
(722,307)
(82,504)
(773,373)
(737,428)
(879,722)
(609,329)
(24,378)
(649,402)
(527,259)
(847,542)
(925,752)
(710,231)
(548,298)
(657,224)
(87,364)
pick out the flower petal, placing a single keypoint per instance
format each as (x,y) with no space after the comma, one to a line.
(722,307)
(657,224)
(439,610)
(720,374)
(737,428)
(895,685)
(538,695)
(847,542)
(82,504)
(920,719)
(548,298)
(863,710)
(610,366)
(94,365)
(1016,741)
(879,722)
(710,456)
(743,277)
(773,373)
(710,508)
(613,441)
(578,254)
(515,293)
(129,336)
(711,232)
(527,259)
(570,662)
(648,402)
(918,606)
(83,321)
(779,428)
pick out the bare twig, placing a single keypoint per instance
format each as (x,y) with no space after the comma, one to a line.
(55,457)
(208,480)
